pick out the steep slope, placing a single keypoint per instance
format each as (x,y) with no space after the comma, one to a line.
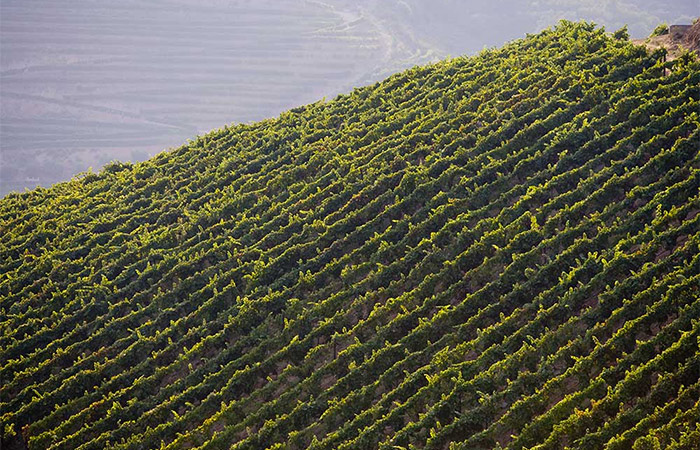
(495,250)
(692,37)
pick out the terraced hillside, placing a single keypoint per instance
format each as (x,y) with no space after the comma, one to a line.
(499,250)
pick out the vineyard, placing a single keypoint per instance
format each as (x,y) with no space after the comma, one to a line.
(497,251)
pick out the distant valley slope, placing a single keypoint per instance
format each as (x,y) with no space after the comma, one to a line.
(491,251)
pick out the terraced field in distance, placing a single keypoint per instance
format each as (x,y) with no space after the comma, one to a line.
(86,82)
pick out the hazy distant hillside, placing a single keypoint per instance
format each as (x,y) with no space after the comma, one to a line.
(498,250)
(84,82)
